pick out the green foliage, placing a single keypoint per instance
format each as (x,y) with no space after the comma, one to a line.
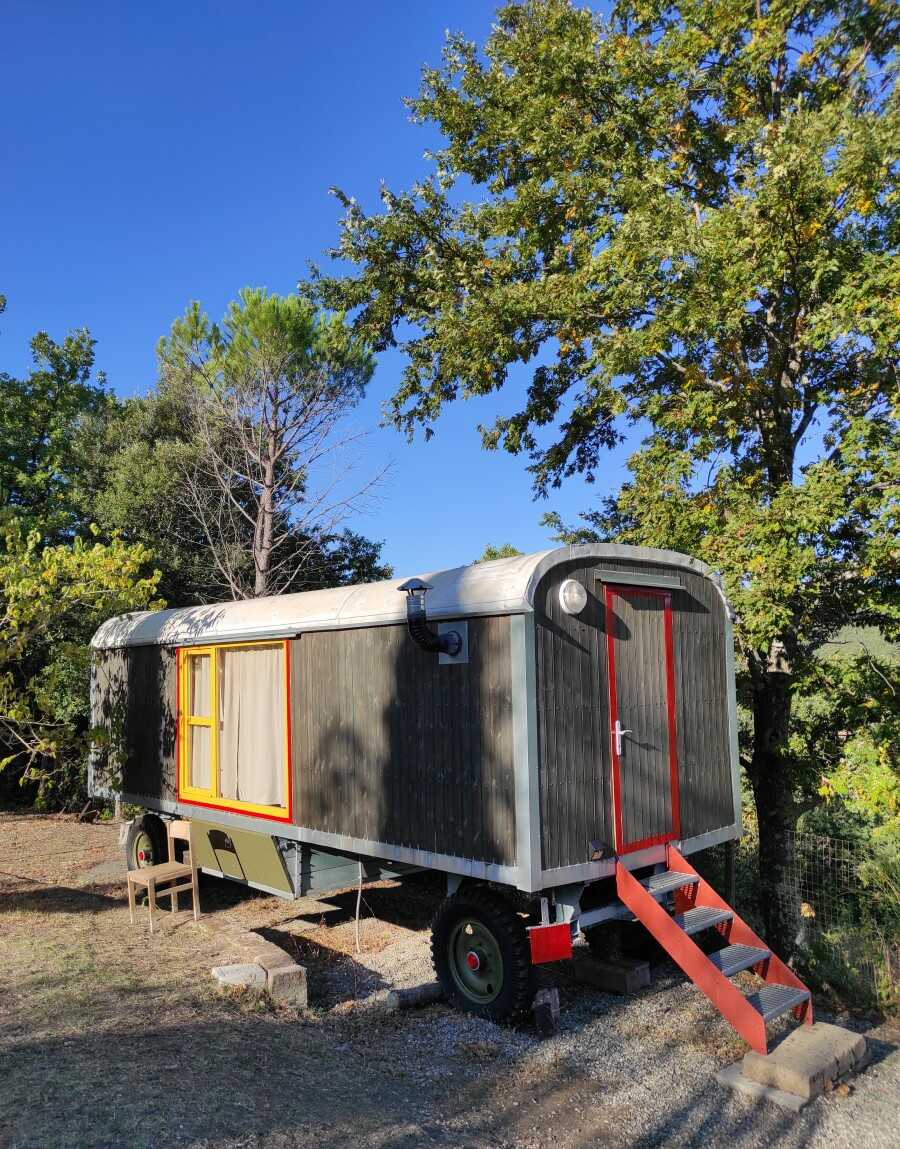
(263,395)
(847,723)
(39,416)
(683,215)
(282,336)
(93,522)
(52,598)
(683,218)
(505,551)
(664,194)
(135,460)
(346,558)
(129,482)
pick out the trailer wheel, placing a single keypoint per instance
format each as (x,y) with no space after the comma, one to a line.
(146,842)
(481,955)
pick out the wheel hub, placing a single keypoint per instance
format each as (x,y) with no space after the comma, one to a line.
(476,962)
(143,850)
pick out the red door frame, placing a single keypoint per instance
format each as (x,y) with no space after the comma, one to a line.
(610,590)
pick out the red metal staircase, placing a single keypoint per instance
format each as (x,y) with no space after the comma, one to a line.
(698,907)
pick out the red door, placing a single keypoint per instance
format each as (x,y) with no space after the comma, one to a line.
(642,736)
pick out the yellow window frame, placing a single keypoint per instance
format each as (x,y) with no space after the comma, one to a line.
(213,797)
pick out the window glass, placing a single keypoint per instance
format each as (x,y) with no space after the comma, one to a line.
(198,685)
(251,718)
(200,756)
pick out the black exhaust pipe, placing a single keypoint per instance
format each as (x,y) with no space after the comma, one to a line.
(417,622)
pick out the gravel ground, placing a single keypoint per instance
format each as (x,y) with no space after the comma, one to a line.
(636,1071)
(91,1011)
(629,1071)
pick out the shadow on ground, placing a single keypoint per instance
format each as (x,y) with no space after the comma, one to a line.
(259,1081)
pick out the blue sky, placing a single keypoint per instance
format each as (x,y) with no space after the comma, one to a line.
(154,154)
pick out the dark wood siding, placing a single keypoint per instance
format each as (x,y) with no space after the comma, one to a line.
(134,701)
(390,746)
(573,710)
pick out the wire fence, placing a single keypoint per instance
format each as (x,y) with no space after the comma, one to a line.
(825,880)
(845,898)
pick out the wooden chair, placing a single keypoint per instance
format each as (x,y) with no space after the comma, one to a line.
(166,872)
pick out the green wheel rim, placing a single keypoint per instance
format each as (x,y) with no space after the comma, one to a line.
(143,851)
(476,963)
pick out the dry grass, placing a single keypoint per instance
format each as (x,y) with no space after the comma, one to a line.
(111,1036)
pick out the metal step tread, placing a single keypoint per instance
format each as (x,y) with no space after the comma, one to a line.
(701,918)
(732,959)
(774,1000)
(667,881)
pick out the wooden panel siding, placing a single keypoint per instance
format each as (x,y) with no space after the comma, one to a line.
(573,710)
(390,746)
(135,702)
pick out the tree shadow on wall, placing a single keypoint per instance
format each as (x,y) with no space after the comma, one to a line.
(447,775)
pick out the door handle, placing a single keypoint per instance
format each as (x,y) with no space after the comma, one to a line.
(618,731)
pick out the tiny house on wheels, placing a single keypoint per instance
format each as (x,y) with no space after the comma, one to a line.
(555,732)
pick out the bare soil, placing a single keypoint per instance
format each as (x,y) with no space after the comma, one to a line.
(111,1037)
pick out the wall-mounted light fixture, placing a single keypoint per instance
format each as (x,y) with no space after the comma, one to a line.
(572,596)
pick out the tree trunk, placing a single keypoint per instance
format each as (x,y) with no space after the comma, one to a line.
(262,556)
(773,791)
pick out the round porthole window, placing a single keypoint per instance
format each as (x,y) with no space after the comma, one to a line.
(572,596)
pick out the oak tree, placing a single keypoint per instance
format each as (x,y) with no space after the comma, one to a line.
(681,217)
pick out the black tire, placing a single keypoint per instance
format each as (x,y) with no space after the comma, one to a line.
(499,940)
(146,842)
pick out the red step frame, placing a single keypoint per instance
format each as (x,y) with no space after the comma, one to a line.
(685,952)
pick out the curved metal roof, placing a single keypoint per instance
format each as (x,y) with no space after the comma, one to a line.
(503,586)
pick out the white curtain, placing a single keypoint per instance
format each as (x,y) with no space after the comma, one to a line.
(200,684)
(199,757)
(252,725)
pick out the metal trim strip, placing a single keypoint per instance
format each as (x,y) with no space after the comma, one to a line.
(466,867)
(709,838)
(730,679)
(595,871)
(665,582)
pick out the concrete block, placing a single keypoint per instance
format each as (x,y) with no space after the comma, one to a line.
(248,940)
(413,995)
(808,1060)
(272,958)
(733,1078)
(613,975)
(546,1011)
(244,976)
(287,984)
